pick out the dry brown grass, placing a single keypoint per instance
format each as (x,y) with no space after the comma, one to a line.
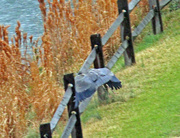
(29,92)
(139,12)
(23,88)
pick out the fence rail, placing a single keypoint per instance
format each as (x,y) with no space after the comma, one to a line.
(69,127)
(117,55)
(61,108)
(143,24)
(113,28)
(73,126)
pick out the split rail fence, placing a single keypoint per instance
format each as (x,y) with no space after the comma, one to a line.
(73,126)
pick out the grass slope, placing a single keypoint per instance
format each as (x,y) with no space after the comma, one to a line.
(151,89)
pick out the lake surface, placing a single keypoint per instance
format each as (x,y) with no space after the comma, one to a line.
(25,11)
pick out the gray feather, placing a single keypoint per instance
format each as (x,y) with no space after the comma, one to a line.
(87,84)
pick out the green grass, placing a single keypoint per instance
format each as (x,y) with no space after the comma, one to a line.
(147,39)
(148,105)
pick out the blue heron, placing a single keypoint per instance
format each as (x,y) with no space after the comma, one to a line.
(86,84)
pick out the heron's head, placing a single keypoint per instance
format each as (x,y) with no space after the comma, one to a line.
(79,73)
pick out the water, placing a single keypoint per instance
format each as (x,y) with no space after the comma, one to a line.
(25,11)
(29,15)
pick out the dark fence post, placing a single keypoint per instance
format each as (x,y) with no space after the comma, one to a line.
(126,34)
(157,25)
(99,63)
(77,131)
(45,131)
(96,41)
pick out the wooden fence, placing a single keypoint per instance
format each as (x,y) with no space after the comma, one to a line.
(73,126)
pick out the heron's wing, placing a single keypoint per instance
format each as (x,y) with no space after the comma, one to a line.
(107,77)
(114,83)
(101,71)
(103,74)
(80,96)
(85,88)
(82,83)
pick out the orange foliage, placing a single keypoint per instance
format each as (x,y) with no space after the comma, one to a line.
(139,12)
(23,88)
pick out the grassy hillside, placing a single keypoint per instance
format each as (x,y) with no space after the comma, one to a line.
(151,89)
